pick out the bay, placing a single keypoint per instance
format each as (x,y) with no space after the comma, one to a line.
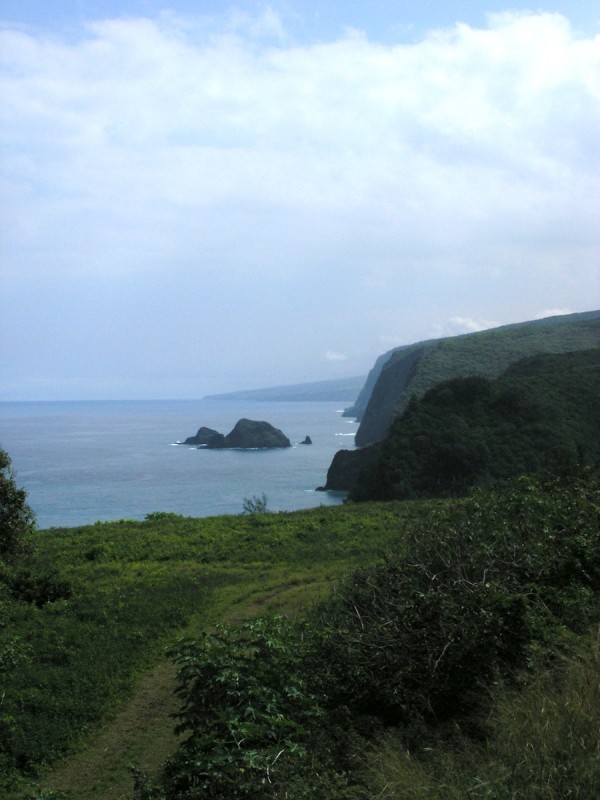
(82,462)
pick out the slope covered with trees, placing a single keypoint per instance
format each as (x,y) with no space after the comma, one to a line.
(415,369)
(542,414)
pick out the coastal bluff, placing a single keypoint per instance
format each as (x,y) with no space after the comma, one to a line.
(247,434)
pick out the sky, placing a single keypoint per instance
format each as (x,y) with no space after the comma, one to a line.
(198,197)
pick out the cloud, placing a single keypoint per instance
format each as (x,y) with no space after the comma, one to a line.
(331,355)
(464,324)
(371,187)
(552,312)
(469,137)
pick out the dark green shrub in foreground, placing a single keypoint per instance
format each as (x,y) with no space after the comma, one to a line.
(252,716)
(544,745)
(418,639)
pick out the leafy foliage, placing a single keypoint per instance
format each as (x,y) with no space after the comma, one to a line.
(92,607)
(473,598)
(544,743)
(255,711)
(16,518)
(247,709)
(418,638)
(542,415)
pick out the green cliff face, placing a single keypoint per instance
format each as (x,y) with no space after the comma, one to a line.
(415,369)
(542,415)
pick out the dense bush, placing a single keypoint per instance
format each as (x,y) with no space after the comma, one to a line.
(16,518)
(253,716)
(544,745)
(419,638)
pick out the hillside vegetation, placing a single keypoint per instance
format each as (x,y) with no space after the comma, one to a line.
(542,414)
(416,368)
(408,643)
(89,610)
(420,657)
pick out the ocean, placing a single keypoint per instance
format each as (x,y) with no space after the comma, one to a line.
(82,462)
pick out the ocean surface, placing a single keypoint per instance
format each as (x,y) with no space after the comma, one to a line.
(82,462)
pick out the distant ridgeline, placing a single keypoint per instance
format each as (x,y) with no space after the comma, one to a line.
(406,374)
(338,389)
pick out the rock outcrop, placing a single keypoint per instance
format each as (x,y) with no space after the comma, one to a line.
(346,468)
(250,434)
(247,434)
(202,437)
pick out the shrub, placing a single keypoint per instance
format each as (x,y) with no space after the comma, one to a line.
(473,597)
(16,518)
(416,640)
(249,713)
(256,505)
(544,745)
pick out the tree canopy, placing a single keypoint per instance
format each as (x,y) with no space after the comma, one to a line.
(16,517)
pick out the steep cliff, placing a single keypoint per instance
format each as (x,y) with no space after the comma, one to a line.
(541,415)
(415,369)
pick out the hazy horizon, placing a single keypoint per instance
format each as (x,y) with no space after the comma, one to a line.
(200,198)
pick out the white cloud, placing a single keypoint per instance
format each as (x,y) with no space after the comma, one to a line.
(469,136)
(552,312)
(388,342)
(331,355)
(461,171)
(466,325)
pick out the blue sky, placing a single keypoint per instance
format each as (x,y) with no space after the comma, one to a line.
(199,197)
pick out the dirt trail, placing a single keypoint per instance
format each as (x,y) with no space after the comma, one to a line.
(141,734)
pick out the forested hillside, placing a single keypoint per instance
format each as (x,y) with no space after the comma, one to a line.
(542,414)
(414,369)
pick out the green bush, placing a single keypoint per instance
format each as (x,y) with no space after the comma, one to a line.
(544,744)
(418,639)
(472,597)
(252,718)
(16,518)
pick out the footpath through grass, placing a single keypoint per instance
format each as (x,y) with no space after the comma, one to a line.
(90,692)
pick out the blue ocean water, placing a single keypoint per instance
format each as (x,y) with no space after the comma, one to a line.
(86,461)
